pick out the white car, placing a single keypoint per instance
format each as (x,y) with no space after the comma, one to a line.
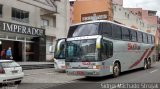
(59,64)
(10,72)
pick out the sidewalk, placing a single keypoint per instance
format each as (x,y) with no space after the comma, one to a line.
(36,65)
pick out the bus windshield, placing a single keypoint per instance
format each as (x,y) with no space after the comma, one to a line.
(60,54)
(81,51)
(83,30)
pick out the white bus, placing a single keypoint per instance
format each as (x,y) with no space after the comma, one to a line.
(99,48)
(59,55)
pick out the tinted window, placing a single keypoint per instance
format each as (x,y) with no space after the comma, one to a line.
(107,29)
(20,15)
(149,39)
(152,39)
(125,34)
(140,36)
(107,50)
(133,35)
(83,30)
(116,32)
(145,38)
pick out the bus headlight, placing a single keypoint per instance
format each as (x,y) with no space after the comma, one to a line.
(96,67)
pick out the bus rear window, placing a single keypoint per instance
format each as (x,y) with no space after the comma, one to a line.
(83,30)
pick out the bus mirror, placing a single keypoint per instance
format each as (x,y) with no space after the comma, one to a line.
(59,44)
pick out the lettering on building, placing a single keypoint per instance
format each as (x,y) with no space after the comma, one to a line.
(21,29)
(94,16)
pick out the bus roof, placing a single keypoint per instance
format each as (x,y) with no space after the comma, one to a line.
(107,21)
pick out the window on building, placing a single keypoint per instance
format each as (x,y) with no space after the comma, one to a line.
(116,32)
(142,24)
(128,16)
(115,8)
(1,8)
(139,13)
(54,21)
(125,34)
(44,22)
(107,30)
(133,35)
(137,20)
(20,15)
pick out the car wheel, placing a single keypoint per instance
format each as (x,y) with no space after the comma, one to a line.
(18,82)
(116,70)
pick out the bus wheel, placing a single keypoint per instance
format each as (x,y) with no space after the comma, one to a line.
(116,70)
(145,64)
(149,63)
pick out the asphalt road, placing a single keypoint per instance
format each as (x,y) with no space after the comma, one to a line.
(139,78)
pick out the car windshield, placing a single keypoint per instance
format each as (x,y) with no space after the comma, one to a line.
(81,50)
(83,30)
(9,64)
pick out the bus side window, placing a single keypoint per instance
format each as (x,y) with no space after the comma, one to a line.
(116,32)
(149,39)
(107,50)
(133,35)
(140,37)
(106,30)
(125,34)
(145,38)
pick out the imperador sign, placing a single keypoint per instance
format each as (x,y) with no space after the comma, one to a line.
(21,29)
(94,16)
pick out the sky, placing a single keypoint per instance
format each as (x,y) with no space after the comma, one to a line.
(145,4)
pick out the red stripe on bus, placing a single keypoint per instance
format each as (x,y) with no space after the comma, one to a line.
(138,61)
(150,52)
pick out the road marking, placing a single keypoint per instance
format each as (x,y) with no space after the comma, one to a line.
(154,71)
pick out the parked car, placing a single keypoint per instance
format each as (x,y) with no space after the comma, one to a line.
(10,72)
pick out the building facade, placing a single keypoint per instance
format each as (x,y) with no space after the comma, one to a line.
(31,27)
(91,10)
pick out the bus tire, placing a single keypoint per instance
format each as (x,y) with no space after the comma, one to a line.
(116,70)
(145,64)
(149,63)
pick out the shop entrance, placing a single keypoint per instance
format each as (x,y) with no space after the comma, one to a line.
(16,48)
